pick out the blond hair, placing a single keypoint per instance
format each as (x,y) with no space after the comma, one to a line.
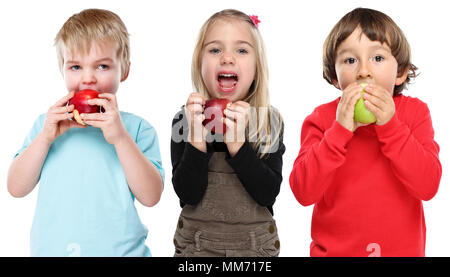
(93,25)
(377,26)
(258,94)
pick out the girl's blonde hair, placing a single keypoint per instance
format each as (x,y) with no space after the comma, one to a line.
(93,25)
(262,138)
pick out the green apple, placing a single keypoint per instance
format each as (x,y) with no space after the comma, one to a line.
(362,114)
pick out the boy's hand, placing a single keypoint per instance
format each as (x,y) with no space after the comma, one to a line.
(57,120)
(110,121)
(194,112)
(346,107)
(380,102)
(236,120)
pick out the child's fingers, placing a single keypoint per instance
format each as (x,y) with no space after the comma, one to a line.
(235,115)
(56,117)
(228,122)
(347,107)
(64,100)
(242,104)
(236,107)
(193,111)
(106,104)
(109,96)
(351,95)
(94,123)
(64,109)
(374,109)
(379,92)
(350,88)
(93,116)
(351,98)
(196,98)
(238,111)
(200,117)
(373,100)
(195,101)
(195,108)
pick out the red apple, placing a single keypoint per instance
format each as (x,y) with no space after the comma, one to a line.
(214,113)
(80,102)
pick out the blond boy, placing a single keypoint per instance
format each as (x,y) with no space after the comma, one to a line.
(89,175)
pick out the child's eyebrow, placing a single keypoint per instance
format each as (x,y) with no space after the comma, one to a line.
(340,52)
(96,61)
(212,42)
(237,42)
(244,42)
(72,62)
(380,47)
(105,60)
(372,48)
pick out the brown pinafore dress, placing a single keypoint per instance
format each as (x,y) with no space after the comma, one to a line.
(227,222)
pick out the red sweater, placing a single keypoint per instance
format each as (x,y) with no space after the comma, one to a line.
(368,186)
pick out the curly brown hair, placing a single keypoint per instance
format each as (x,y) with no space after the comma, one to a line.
(377,26)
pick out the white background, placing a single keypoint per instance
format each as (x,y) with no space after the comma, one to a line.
(162,41)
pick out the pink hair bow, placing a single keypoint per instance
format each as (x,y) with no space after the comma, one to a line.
(255,20)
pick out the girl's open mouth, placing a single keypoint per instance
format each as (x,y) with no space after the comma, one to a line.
(227,81)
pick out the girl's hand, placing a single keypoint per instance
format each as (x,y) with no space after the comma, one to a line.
(380,102)
(194,112)
(236,120)
(57,120)
(110,121)
(346,107)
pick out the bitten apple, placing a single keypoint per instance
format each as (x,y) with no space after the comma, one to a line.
(214,113)
(362,114)
(80,102)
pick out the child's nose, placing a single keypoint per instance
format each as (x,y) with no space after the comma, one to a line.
(227,58)
(364,71)
(89,77)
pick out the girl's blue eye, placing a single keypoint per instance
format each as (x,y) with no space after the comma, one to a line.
(242,51)
(75,67)
(350,60)
(378,58)
(103,67)
(214,51)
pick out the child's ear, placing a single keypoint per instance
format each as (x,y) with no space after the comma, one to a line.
(401,78)
(126,74)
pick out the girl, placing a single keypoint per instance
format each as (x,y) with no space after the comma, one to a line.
(227,184)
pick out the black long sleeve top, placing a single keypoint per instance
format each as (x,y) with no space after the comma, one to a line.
(261,178)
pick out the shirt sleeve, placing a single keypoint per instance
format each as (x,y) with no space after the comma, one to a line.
(189,165)
(261,177)
(413,152)
(147,141)
(35,130)
(322,152)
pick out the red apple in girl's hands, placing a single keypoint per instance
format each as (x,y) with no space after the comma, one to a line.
(214,113)
(80,102)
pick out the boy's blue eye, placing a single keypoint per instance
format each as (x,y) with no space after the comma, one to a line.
(350,60)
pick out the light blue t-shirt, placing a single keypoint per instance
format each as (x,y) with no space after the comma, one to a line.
(84,206)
